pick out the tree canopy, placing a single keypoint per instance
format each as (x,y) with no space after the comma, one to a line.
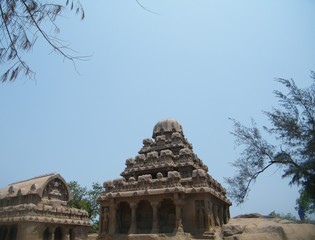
(21,23)
(85,199)
(292,144)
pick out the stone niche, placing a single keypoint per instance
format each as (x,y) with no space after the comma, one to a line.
(38,209)
(165,190)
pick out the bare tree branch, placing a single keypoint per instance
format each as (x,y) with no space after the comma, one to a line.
(143,7)
(293,129)
(20,24)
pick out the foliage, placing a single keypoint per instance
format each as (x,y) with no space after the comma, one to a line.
(305,205)
(21,23)
(293,131)
(93,194)
(85,199)
(287,216)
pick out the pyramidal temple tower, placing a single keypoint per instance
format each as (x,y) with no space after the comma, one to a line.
(165,189)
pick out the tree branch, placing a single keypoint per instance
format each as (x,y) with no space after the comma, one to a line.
(145,8)
(46,37)
(12,44)
(255,176)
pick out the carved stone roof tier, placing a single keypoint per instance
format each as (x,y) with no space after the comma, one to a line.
(40,199)
(43,214)
(164,164)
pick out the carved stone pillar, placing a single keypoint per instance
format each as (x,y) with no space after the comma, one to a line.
(112,219)
(226,214)
(216,215)
(220,215)
(210,215)
(155,223)
(8,233)
(104,220)
(101,221)
(178,224)
(65,234)
(52,233)
(133,224)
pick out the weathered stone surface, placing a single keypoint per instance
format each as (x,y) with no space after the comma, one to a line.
(165,189)
(262,228)
(230,230)
(37,209)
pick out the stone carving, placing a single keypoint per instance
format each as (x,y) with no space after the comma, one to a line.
(145,178)
(131,180)
(160,140)
(152,157)
(109,186)
(201,218)
(177,138)
(162,180)
(130,162)
(159,175)
(147,142)
(105,220)
(37,209)
(140,159)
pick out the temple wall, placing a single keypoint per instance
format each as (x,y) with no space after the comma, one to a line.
(188,215)
(32,231)
(201,213)
(36,209)
(195,213)
(36,231)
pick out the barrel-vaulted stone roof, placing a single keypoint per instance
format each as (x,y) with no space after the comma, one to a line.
(40,200)
(34,185)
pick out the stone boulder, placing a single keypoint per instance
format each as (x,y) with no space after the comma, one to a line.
(258,227)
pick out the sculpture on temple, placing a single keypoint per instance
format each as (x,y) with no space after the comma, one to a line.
(165,189)
(37,209)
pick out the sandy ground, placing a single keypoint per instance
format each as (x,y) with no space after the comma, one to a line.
(92,236)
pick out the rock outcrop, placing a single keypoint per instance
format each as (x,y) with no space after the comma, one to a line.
(257,227)
(246,227)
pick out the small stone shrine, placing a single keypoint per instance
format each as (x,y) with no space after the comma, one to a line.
(36,209)
(165,189)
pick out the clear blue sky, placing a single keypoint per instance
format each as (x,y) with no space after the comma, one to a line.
(200,62)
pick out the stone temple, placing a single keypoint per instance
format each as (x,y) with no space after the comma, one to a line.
(165,190)
(36,209)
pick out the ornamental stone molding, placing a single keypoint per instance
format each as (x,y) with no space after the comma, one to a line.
(164,189)
(37,209)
